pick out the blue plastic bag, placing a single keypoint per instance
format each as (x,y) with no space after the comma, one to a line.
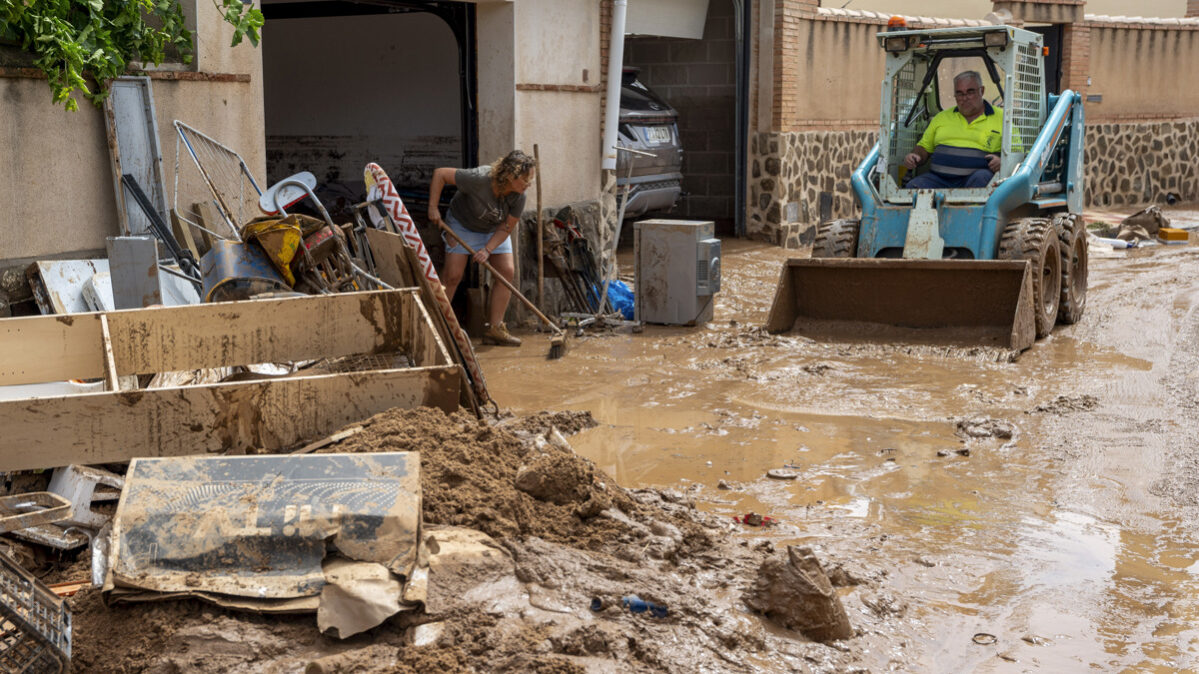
(621,298)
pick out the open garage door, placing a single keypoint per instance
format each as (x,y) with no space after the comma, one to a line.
(346,83)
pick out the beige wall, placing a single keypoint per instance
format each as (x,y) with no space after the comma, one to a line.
(557,102)
(1143,73)
(496,80)
(55,174)
(840,75)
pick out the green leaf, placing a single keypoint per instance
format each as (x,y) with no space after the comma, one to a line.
(79,41)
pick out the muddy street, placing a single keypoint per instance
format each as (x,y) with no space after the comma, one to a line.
(1035,514)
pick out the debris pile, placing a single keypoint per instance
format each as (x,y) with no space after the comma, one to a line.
(517,581)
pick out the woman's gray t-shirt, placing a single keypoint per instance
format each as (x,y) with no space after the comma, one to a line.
(476,206)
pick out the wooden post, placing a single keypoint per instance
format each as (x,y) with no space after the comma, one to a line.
(540,235)
(110,365)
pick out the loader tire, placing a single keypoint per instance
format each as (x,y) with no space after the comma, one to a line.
(1036,240)
(836,238)
(1072,233)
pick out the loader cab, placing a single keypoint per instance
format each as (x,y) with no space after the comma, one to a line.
(920,67)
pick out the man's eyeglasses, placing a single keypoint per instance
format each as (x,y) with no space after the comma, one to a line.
(965,94)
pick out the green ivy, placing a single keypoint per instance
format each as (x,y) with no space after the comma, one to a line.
(83,44)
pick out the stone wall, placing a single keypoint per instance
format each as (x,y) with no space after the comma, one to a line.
(798,180)
(1136,163)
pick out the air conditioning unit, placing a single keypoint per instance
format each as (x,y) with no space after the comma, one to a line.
(677,268)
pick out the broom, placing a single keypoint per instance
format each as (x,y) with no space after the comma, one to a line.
(558,340)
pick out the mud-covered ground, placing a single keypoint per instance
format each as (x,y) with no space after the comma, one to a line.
(563,535)
(977,513)
(1036,514)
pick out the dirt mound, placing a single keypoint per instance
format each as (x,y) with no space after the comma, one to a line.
(557,478)
(566,421)
(573,537)
(1067,404)
(469,475)
(793,590)
(984,427)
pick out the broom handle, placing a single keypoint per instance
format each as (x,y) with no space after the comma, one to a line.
(500,277)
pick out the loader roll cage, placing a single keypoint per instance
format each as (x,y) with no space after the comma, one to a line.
(1011,58)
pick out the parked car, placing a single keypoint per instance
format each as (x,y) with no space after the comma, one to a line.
(648,124)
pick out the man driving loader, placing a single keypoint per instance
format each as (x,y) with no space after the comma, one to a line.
(964,142)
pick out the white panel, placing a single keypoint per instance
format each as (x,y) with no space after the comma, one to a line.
(667,18)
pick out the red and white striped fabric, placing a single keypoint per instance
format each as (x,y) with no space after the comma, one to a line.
(377,180)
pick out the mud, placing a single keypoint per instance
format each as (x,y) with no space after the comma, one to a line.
(793,591)
(558,543)
(1050,499)
(1060,522)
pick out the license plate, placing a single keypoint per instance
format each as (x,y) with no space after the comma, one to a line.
(657,134)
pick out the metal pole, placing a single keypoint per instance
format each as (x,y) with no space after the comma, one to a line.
(540,235)
(615,69)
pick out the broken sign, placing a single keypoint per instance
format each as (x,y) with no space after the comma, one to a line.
(259,532)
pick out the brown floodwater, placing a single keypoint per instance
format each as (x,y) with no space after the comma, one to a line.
(1071,538)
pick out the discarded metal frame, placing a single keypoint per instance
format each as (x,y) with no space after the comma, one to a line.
(73,523)
(222,169)
(18,511)
(35,625)
(133,149)
(274,414)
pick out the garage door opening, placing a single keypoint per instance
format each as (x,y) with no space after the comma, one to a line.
(349,83)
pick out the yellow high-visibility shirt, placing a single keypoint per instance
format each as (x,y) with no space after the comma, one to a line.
(950,128)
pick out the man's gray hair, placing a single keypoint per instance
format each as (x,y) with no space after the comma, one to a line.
(972,74)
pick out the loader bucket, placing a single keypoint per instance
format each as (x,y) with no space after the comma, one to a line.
(967,302)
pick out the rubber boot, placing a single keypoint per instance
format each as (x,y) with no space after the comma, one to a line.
(499,335)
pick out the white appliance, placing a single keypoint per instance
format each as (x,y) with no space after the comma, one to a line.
(677,267)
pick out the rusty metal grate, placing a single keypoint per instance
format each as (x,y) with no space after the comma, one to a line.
(381,361)
(35,625)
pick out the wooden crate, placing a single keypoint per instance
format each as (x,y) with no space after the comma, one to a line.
(271,415)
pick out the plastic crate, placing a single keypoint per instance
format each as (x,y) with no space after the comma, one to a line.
(35,625)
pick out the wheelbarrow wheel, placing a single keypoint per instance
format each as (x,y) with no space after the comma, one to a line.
(1036,240)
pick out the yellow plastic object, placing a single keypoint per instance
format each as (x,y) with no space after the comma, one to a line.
(280,238)
(1172,234)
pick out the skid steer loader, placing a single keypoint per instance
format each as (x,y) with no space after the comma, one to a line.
(995,265)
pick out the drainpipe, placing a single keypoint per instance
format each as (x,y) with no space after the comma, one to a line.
(615,70)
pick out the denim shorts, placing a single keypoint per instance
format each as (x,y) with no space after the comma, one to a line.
(476,240)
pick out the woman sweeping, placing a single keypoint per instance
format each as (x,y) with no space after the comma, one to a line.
(484,213)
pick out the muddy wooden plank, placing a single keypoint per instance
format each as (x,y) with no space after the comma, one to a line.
(260,331)
(210,221)
(37,349)
(110,366)
(271,415)
(425,345)
(398,264)
(183,233)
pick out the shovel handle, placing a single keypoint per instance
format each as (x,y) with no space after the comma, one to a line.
(532,307)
